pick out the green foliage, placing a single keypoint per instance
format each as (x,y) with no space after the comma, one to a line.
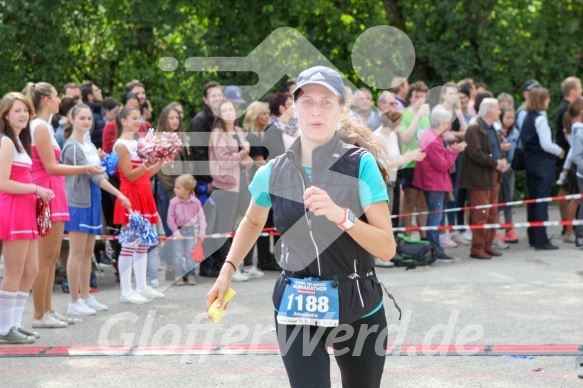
(500,42)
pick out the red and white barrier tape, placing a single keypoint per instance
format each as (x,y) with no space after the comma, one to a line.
(491,205)
(164,238)
(536,224)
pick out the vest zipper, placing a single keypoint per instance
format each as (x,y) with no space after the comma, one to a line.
(358,285)
(305,182)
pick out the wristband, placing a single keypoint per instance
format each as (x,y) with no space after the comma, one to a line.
(232,265)
(348,221)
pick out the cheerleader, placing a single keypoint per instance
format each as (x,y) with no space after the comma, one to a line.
(84,197)
(48,172)
(135,184)
(18,223)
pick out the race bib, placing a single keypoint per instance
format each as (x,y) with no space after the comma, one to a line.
(309,302)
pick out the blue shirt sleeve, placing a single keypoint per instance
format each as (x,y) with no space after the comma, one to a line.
(259,186)
(371,186)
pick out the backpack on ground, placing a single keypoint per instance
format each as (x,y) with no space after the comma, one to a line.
(412,253)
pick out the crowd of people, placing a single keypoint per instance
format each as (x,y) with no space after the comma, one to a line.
(461,150)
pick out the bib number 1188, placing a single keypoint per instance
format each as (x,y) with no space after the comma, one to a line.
(312,303)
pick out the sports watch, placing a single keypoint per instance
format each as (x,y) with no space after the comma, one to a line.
(349,220)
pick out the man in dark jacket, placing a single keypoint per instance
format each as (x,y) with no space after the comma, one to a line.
(92,97)
(199,130)
(481,168)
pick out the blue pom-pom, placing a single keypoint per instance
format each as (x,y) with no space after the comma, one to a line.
(110,163)
(139,231)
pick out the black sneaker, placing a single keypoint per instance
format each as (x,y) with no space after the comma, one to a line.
(579,241)
(443,258)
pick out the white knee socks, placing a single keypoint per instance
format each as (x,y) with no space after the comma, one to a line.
(21,298)
(141,267)
(7,307)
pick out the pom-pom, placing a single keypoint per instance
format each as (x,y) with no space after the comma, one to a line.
(163,147)
(197,254)
(110,163)
(43,217)
(138,231)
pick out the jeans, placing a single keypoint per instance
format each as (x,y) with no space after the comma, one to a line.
(455,183)
(435,202)
(153,263)
(507,194)
(181,251)
(163,202)
(539,181)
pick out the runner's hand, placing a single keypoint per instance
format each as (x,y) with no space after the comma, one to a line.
(319,202)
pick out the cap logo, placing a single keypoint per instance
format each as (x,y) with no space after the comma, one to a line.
(318,75)
(238,93)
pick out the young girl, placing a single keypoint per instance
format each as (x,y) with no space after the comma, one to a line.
(227,152)
(135,184)
(184,213)
(48,172)
(84,197)
(511,134)
(18,224)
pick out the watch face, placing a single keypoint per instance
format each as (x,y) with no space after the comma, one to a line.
(351,217)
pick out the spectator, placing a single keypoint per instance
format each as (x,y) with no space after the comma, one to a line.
(349,106)
(136,87)
(199,131)
(521,111)
(110,109)
(386,101)
(92,97)
(432,174)
(67,103)
(511,135)
(71,90)
(283,129)
(481,166)
(540,157)
(575,114)
(464,97)
(179,108)
(481,87)
(401,90)
(505,100)
(256,121)
(146,110)
(233,93)
(228,152)
(414,123)
(289,86)
(571,90)
(468,84)
(111,131)
(363,101)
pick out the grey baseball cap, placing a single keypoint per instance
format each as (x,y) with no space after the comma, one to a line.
(530,84)
(324,76)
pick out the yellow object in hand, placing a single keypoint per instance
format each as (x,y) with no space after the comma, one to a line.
(215,312)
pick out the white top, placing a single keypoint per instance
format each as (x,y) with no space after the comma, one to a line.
(20,159)
(132,146)
(91,154)
(34,124)
(391,142)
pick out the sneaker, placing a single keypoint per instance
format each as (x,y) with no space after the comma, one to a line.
(179,281)
(28,333)
(253,272)
(48,322)
(133,297)
(15,337)
(459,240)
(80,308)
(500,237)
(497,244)
(446,241)
(569,238)
(562,178)
(154,283)
(467,235)
(91,302)
(511,237)
(65,286)
(579,241)
(67,320)
(149,293)
(383,264)
(443,258)
(238,276)
(191,280)
(105,260)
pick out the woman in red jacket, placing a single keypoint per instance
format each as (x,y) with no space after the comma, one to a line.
(432,174)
